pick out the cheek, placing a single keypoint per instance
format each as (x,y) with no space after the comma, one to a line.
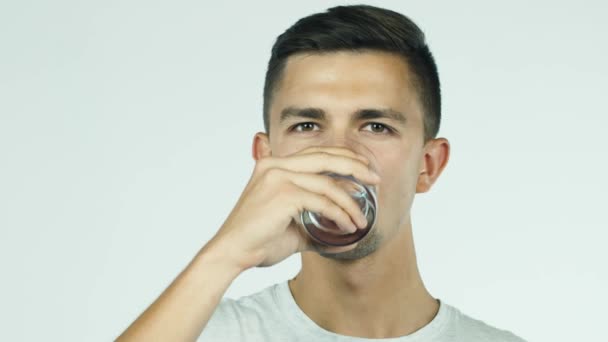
(398,185)
(283,150)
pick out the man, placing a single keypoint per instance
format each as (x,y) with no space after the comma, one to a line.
(354,72)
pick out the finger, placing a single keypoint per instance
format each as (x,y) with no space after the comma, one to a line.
(314,202)
(335,150)
(318,162)
(326,186)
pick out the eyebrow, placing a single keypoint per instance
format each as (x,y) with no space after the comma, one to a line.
(359,115)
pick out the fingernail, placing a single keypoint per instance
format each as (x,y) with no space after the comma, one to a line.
(362,221)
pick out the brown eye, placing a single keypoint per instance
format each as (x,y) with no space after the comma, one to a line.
(379,128)
(305,127)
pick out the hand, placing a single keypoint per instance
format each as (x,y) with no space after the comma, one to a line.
(264,226)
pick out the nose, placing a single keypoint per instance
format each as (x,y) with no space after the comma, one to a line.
(339,141)
(351,144)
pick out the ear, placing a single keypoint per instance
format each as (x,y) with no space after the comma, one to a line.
(261,146)
(435,158)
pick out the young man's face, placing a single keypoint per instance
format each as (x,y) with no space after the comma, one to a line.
(340,84)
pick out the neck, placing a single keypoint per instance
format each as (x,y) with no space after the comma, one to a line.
(379,296)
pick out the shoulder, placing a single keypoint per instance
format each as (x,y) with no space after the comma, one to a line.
(252,308)
(468,328)
(259,301)
(234,319)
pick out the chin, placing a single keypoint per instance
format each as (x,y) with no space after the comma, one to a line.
(366,246)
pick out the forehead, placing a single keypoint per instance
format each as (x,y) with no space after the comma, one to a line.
(343,81)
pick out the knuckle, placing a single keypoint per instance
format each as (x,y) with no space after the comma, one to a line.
(287,190)
(327,203)
(336,211)
(328,182)
(364,169)
(285,194)
(343,217)
(273,174)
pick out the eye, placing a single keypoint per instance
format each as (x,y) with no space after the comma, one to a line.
(307,127)
(382,127)
(302,124)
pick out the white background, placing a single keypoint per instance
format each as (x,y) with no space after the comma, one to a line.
(125,141)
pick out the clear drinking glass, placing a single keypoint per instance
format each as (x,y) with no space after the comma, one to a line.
(326,231)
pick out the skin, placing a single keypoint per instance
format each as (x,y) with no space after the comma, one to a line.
(374,290)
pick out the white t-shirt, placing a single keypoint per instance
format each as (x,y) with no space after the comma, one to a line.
(272,314)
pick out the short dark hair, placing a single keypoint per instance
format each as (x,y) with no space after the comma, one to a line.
(358,28)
